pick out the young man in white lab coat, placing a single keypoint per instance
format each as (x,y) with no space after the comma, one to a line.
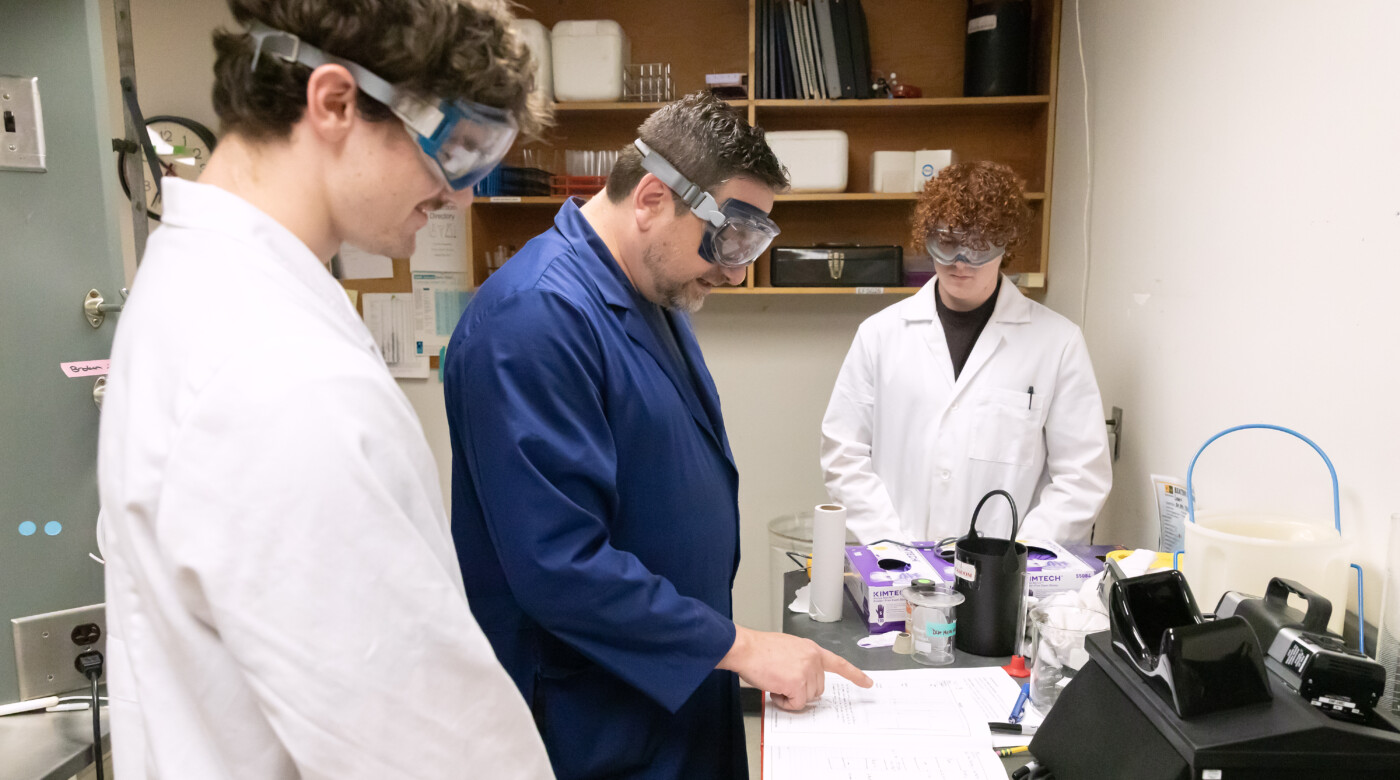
(283,596)
(967,387)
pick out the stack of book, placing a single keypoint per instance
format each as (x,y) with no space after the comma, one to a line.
(812,50)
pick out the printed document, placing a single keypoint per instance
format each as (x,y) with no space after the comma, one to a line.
(917,723)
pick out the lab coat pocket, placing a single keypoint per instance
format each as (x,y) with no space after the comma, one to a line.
(1007,428)
(595,725)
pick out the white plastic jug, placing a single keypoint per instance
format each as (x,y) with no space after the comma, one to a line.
(1241,551)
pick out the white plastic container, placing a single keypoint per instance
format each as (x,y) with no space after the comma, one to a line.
(927,164)
(589,58)
(817,160)
(536,39)
(1242,552)
(892,172)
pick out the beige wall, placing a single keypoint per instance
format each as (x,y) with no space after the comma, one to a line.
(1245,232)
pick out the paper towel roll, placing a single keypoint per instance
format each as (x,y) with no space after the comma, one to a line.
(828,561)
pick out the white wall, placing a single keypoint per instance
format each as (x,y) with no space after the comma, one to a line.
(774,360)
(1245,232)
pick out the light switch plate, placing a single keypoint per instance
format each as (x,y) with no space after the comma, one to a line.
(22,129)
(46,646)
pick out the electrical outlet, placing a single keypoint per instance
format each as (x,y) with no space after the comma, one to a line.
(22,130)
(47,645)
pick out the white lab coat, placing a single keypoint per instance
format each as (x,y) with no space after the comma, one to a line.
(283,596)
(909,451)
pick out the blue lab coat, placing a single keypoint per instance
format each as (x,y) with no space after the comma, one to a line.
(595,513)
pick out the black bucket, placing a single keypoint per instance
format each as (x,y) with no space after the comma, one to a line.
(991,575)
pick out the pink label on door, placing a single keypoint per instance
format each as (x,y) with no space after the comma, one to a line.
(86,368)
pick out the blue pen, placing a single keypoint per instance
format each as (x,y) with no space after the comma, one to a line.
(1019,709)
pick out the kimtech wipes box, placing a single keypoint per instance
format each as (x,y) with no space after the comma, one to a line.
(876,575)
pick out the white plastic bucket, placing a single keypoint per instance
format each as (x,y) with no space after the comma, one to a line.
(1242,551)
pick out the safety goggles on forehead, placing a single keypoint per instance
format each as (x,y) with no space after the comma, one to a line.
(949,245)
(736,233)
(466,140)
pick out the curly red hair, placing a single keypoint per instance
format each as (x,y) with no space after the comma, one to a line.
(983,198)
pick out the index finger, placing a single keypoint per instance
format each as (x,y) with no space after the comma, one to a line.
(835,664)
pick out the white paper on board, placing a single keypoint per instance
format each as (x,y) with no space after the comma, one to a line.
(356,263)
(389,317)
(442,243)
(438,302)
(1171,512)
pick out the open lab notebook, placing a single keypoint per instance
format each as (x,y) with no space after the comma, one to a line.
(914,724)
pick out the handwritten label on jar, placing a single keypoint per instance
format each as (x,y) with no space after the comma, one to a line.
(86,368)
(965,570)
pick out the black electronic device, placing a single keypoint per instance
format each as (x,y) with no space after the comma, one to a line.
(837,266)
(1337,680)
(1195,666)
(1110,723)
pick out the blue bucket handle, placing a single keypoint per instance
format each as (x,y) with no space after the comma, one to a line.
(1336,497)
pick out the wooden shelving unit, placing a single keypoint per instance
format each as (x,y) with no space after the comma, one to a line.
(921,40)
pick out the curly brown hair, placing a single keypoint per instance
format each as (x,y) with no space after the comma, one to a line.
(452,49)
(983,198)
(704,138)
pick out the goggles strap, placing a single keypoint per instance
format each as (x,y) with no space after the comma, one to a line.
(699,201)
(422,116)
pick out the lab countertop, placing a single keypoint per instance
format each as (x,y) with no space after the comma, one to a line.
(48,745)
(840,638)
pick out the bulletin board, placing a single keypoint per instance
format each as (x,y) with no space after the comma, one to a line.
(400,282)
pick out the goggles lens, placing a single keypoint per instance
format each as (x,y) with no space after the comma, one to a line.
(948,246)
(736,233)
(741,239)
(469,142)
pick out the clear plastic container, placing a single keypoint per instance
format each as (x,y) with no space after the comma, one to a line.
(1057,648)
(786,534)
(933,620)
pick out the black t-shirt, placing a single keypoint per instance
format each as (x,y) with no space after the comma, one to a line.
(963,327)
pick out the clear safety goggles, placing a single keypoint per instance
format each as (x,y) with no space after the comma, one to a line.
(736,233)
(466,140)
(950,245)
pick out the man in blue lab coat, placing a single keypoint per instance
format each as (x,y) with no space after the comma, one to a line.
(595,501)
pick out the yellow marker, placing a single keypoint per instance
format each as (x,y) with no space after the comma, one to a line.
(1011,751)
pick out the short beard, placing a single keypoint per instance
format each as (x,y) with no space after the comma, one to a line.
(673,294)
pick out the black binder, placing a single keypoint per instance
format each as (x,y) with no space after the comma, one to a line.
(780,70)
(841,32)
(760,49)
(860,48)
